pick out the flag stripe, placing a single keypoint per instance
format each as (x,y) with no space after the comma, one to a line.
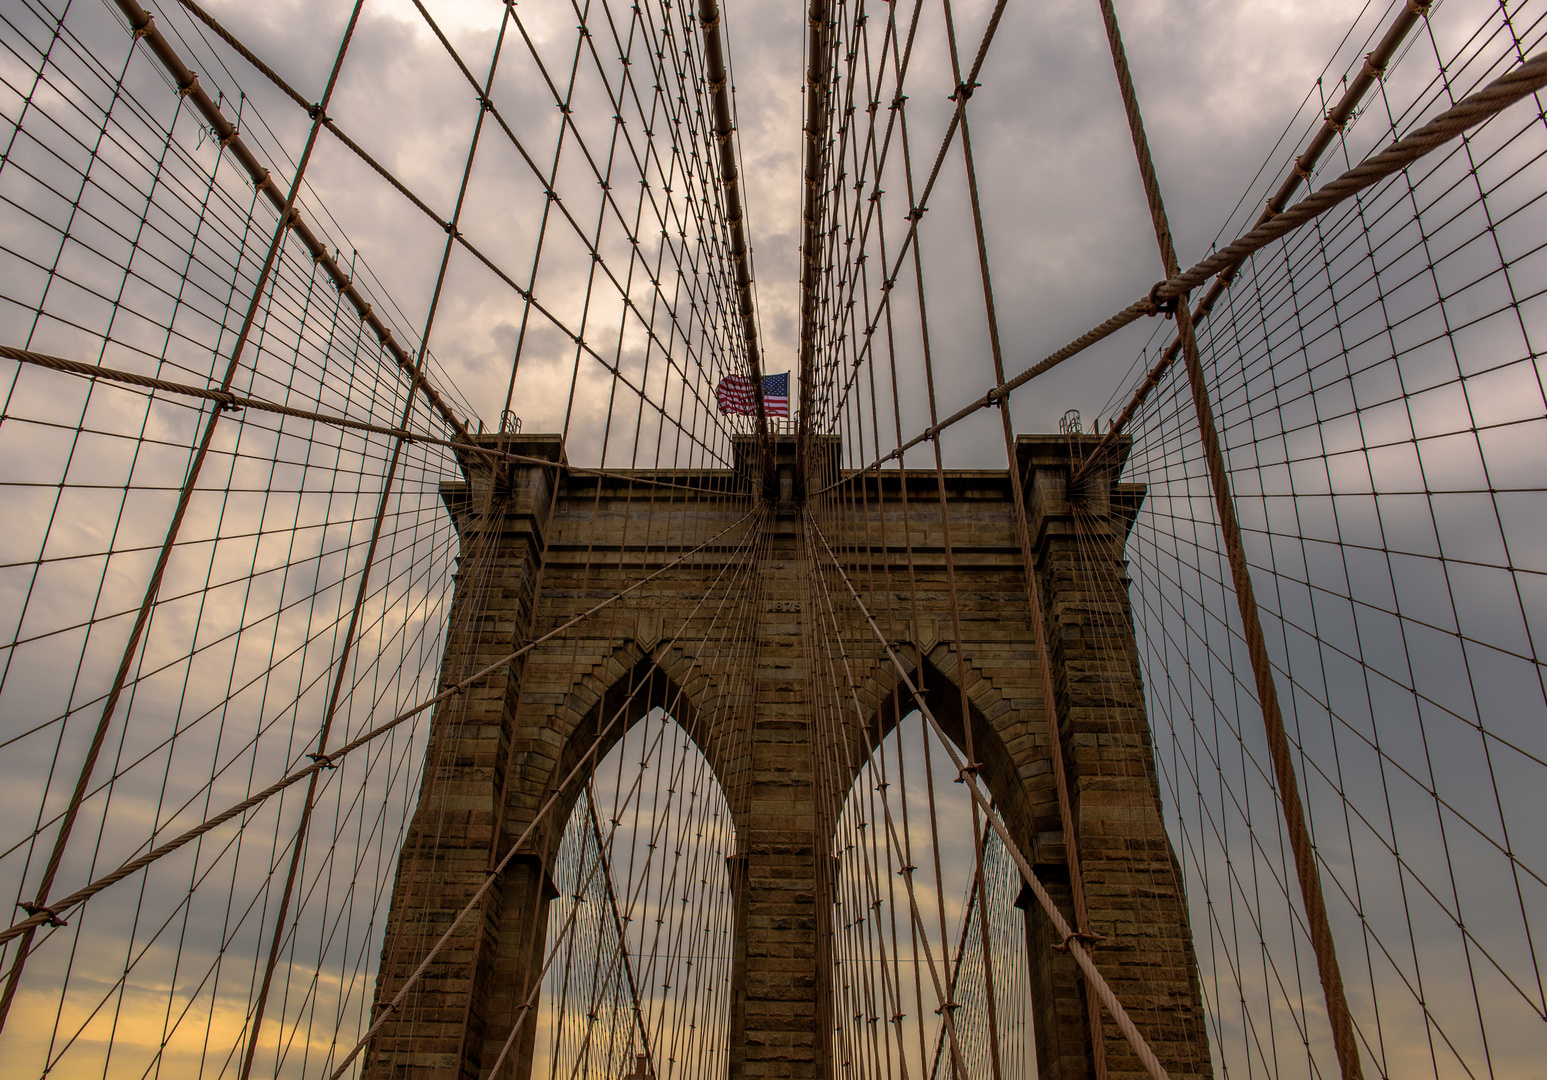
(735,397)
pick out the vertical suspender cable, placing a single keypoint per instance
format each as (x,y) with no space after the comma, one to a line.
(735,216)
(1267,693)
(298,847)
(143,26)
(818,85)
(1337,118)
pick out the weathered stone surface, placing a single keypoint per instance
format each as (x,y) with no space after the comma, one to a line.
(541,546)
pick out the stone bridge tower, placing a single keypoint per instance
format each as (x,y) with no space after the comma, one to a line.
(498,753)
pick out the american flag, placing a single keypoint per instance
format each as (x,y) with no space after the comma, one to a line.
(734,395)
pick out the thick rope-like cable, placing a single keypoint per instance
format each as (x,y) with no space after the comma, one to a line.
(1335,122)
(230,138)
(1300,842)
(963,93)
(288,216)
(234,402)
(735,214)
(1470,111)
(227,400)
(1034,602)
(143,25)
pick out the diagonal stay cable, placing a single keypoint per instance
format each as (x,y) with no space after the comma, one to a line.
(943,989)
(1034,601)
(287,216)
(144,27)
(585,761)
(54,911)
(232,402)
(873,165)
(1071,940)
(916,213)
(528,1005)
(609,199)
(1336,120)
(1288,784)
(226,399)
(308,805)
(230,138)
(735,213)
(1470,111)
(971,908)
(638,1013)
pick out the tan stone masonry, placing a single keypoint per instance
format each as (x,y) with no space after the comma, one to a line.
(498,752)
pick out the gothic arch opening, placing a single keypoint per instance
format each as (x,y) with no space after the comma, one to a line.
(910,921)
(1036,1015)
(636,957)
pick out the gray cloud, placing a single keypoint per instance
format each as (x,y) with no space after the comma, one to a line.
(1069,242)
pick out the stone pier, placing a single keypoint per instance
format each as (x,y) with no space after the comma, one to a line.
(541,544)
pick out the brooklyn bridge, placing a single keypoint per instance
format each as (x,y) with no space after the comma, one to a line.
(1001,541)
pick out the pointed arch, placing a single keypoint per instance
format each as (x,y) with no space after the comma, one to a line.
(618,691)
(1011,748)
(658,691)
(1009,734)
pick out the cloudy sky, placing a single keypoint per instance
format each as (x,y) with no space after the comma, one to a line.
(1069,240)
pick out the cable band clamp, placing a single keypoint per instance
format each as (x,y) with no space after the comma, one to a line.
(1085,938)
(53,919)
(1166,306)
